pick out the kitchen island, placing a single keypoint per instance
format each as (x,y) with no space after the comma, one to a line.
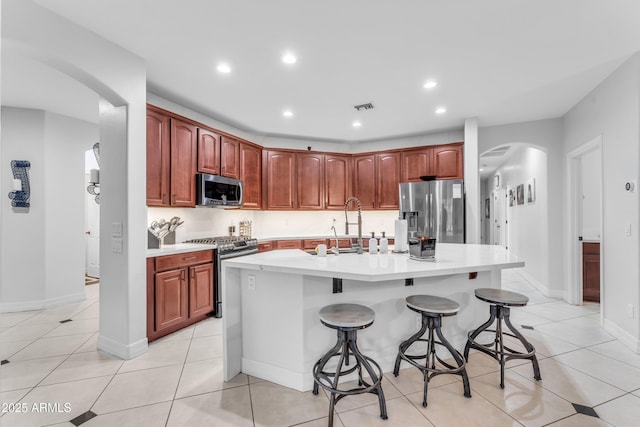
(271,302)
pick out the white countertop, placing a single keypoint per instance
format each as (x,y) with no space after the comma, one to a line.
(450,259)
(178,248)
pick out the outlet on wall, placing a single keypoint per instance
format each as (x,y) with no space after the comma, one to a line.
(251,282)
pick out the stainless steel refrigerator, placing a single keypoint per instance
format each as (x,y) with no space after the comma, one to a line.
(434,209)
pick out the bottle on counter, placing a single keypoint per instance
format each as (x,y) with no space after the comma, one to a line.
(373,244)
(384,244)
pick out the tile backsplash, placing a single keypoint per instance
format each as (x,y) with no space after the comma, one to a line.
(208,222)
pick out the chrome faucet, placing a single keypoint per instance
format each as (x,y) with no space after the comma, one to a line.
(357,246)
(335,249)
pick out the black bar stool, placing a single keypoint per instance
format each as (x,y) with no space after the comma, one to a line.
(347,319)
(432,309)
(501,301)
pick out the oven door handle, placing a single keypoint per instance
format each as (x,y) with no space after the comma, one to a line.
(237,254)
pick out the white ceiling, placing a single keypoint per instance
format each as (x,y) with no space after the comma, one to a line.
(502,61)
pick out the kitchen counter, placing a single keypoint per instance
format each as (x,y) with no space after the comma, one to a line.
(178,248)
(271,302)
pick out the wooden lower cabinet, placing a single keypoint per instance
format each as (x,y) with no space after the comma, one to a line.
(289,244)
(313,243)
(170,299)
(591,271)
(265,246)
(179,291)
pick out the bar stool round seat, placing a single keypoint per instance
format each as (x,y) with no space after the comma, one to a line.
(346,316)
(347,319)
(432,309)
(500,311)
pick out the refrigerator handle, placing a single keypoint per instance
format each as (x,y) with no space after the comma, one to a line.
(430,215)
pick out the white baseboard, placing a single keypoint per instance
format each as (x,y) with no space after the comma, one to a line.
(544,290)
(122,351)
(623,336)
(12,307)
(276,374)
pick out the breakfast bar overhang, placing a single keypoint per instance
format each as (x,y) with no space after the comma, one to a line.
(271,301)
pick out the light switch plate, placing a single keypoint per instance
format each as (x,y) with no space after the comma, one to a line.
(116,246)
(116,229)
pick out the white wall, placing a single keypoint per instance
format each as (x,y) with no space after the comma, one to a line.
(591,183)
(120,78)
(547,135)
(43,246)
(527,222)
(612,111)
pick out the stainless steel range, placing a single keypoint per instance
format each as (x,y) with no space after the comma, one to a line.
(228,247)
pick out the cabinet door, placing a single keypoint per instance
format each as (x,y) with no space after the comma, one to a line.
(364,180)
(208,152)
(591,271)
(200,289)
(171,298)
(183,163)
(229,155)
(337,180)
(388,179)
(416,163)
(447,161)
(158,155)
(251,175)
(310,180)
(280,177)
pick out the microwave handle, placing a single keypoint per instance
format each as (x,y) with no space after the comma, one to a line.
(241,185)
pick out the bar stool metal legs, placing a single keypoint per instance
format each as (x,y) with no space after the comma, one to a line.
(431,325)
(499,313)
(349,360)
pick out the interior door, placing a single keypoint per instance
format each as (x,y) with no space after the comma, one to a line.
(92,262)
(497,213)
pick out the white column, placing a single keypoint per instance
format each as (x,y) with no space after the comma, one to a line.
(472,180)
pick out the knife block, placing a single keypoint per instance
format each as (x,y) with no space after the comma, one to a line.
(169,239)
(152,241)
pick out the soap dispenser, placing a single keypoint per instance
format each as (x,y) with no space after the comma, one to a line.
(373,244)
(384,244)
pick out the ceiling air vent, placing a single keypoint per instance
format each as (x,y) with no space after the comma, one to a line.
(361,107)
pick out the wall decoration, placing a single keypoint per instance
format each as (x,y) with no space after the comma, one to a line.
(487,209)
(94,180)
(520,194)
(531,191)
(21,188)
(496,181)
(512,197)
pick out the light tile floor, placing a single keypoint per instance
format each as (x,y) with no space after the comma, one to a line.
(52,373)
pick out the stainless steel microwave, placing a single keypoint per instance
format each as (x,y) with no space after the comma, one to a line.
(218,191)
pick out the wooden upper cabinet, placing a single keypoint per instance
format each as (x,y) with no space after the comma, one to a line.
(447,162)
(158,157)
(416,163)
(279,179)
(251,175)
(183,163)
(337,181)
(388,179)
(208,152)
(364,180)
(310,180)
(229,157)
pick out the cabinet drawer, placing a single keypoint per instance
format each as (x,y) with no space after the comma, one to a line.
(591,248)
(312,243)
(289,244)
(265,246)
(168,262)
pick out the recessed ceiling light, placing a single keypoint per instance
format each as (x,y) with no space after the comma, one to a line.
(224,68)
(441,110)
(287,113)
(289,58)
(430,84)
(356,124)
